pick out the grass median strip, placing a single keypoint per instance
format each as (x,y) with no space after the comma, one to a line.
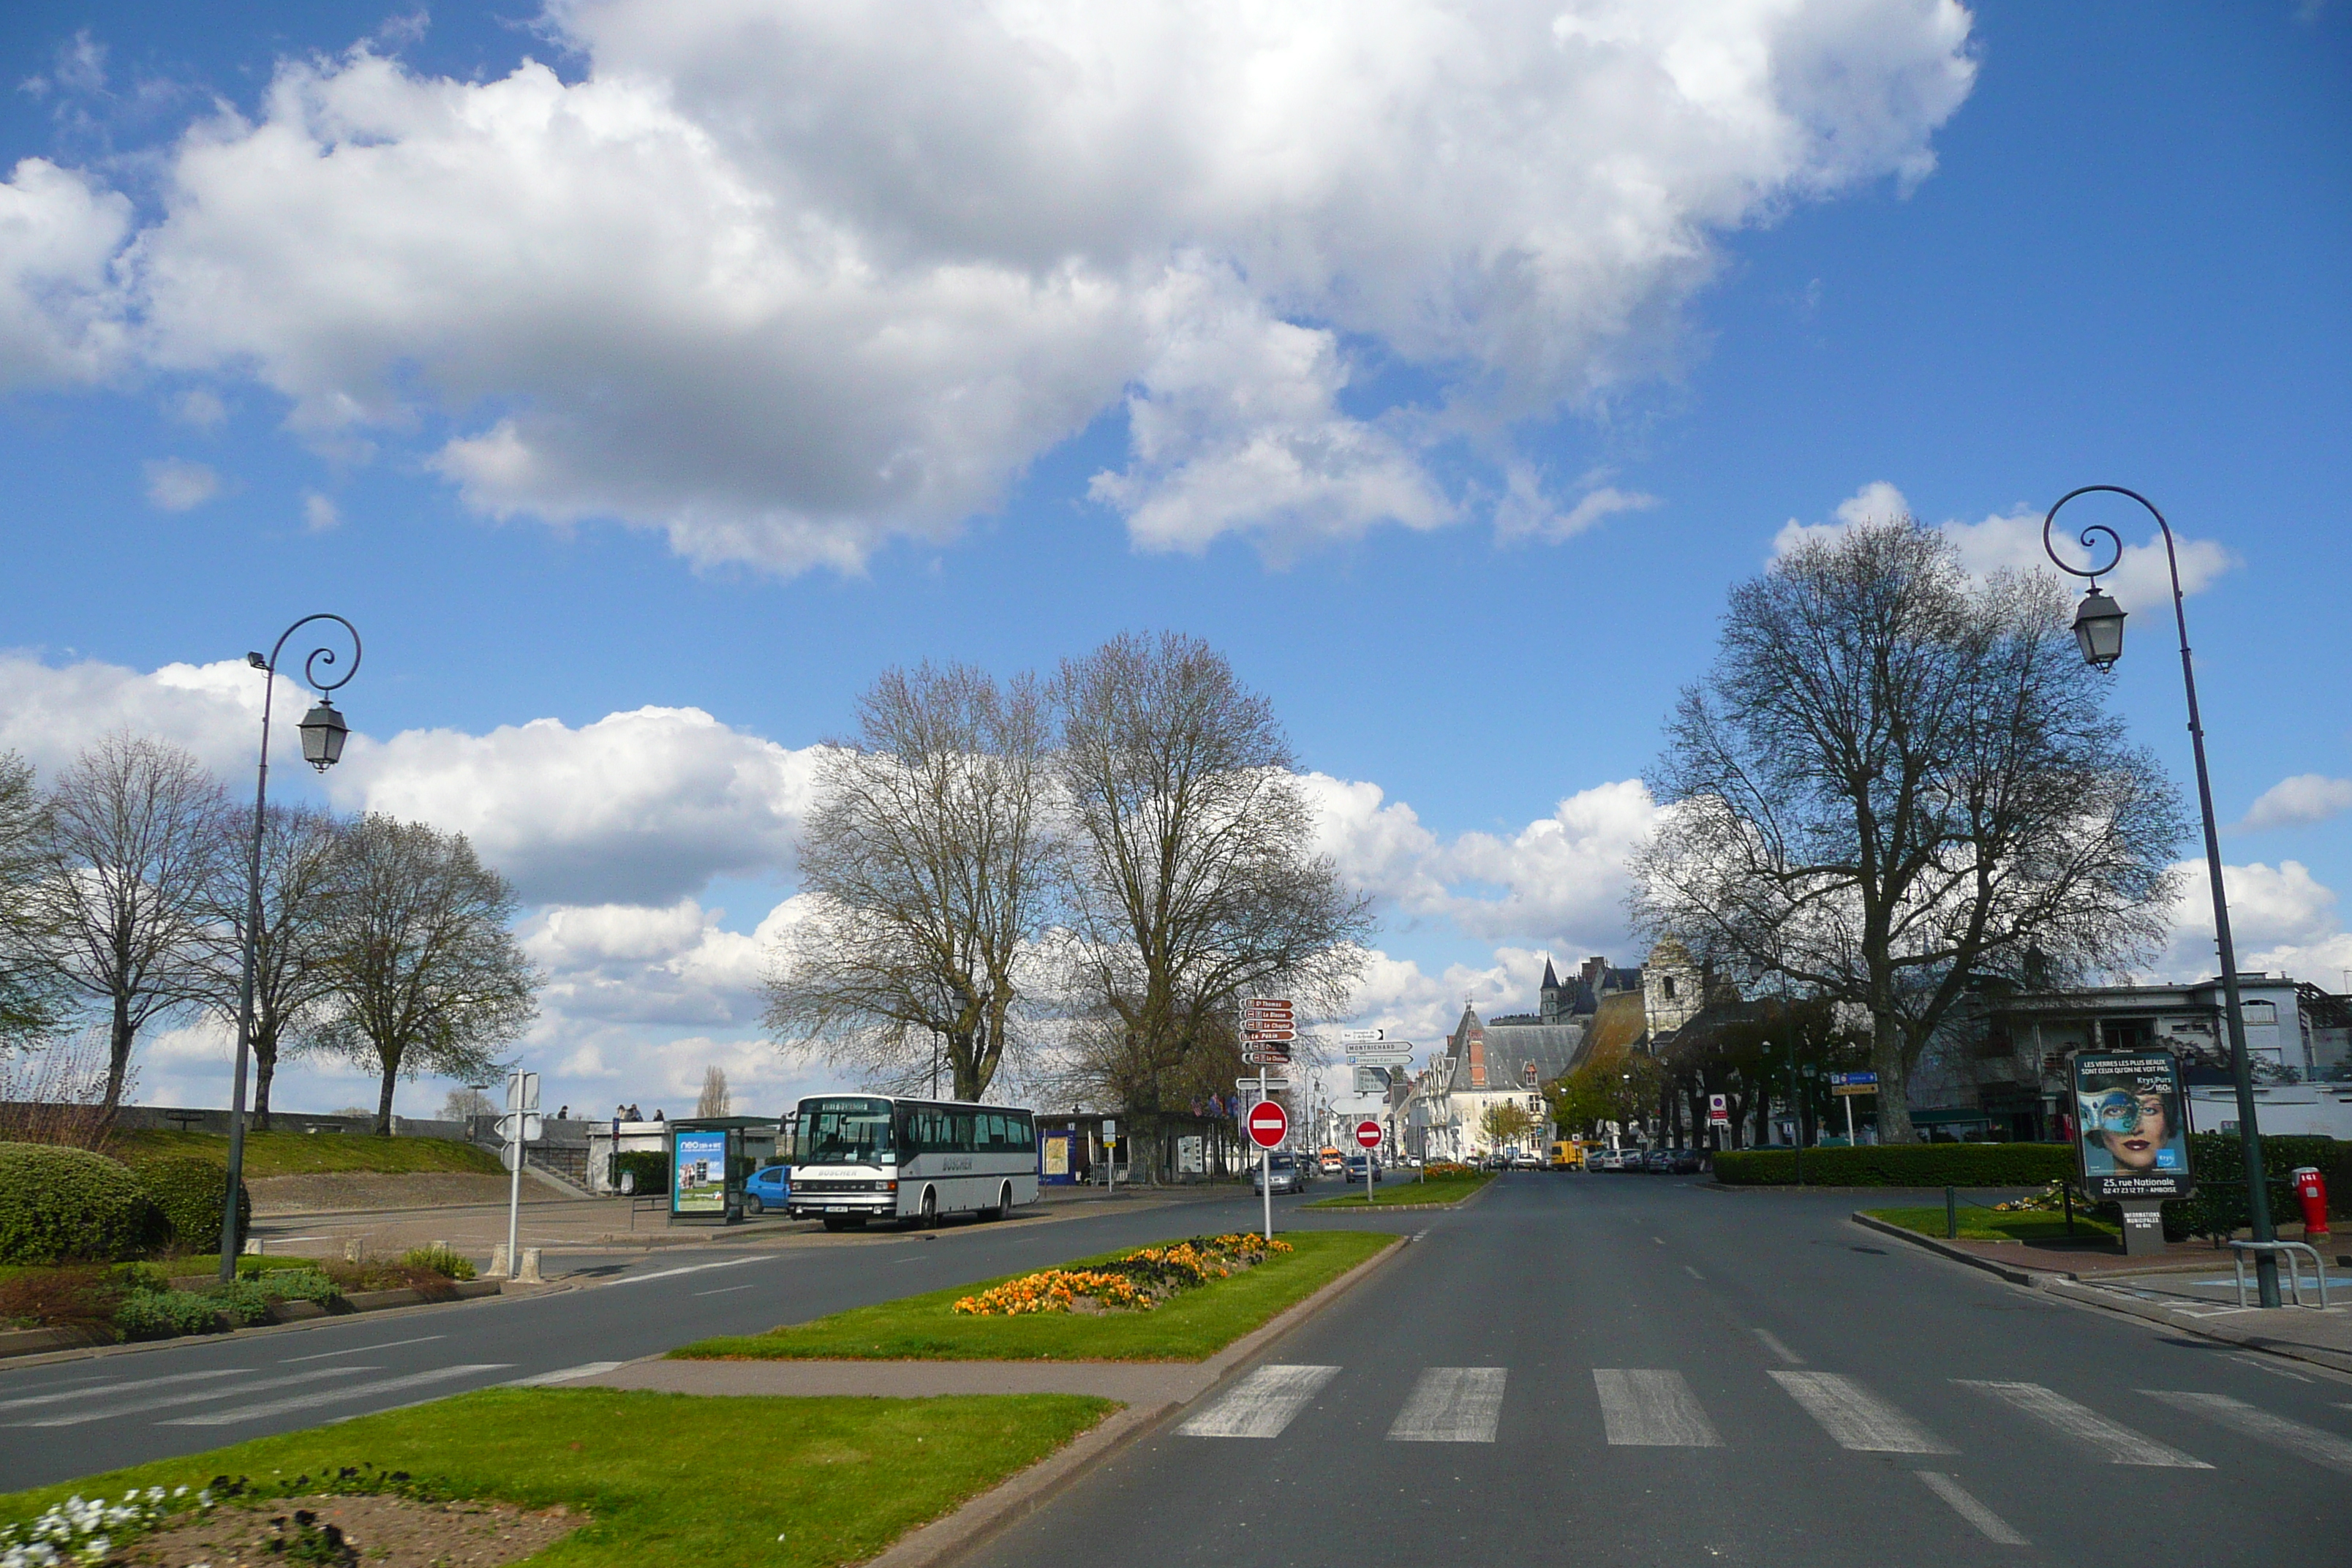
(309,1154)
(1405,1194)
(1190,1326)
(778,1482)
(1988,1225)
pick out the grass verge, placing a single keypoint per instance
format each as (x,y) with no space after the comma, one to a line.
(308,1155)
(1189,1326)
(776,1482)
(1986,1225)
(1406,1194)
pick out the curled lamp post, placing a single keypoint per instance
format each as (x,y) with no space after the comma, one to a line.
(323,731)
(2099,631)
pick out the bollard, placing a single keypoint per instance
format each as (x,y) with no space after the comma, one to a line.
(1951,1214)
(497,1269)
(354,1249)
(253,1246)
(529,1274)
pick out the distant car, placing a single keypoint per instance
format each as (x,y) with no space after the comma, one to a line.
(1688,1161)
(1601,1159)
(1287,1175)
(1328,1159)
(1658,1161)
(1355,1172)
(769,1188)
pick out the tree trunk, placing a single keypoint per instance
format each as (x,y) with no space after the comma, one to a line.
(1887,1059)
(123,1035)
(383,1104)
(264,1068)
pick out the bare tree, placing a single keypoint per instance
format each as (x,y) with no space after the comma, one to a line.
(31,1003)
(927,856)
(133,850)
(464,1104)
(1193,880)
(427,977)
(1895,784)
(714,1100)
(291,974)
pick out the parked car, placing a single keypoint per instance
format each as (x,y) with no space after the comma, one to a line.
(1658,1161)
(1287,1175)
(1601,1159)
(768,1188)
(1355,1170)
(1689,1162)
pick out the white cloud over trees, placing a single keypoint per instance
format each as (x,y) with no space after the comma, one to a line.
(788,280)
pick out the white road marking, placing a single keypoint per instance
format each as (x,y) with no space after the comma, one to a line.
(1693,1272)
(689,1268)
(1989,1525)
(1452,1405)
(2261,1363)
(2324,1449)
(1649,1408)
(569,1374)
(146,1407)
(1262,1404)
(90,1390)
(335,1395)
(722,1290)
(2110,1440)
(1856,1418)
(365,1349)
(1772,1342)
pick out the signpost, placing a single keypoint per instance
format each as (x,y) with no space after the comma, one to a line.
(1110,1153)
(1385,1057)
(1367,1035)
(519,1126)
(1846,1084)
(1268,1125)
(1368,1138)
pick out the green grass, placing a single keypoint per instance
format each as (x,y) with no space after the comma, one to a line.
(313,1153)
(1405,1193)
(1985,1225)
(668,1477)
(1188,1326)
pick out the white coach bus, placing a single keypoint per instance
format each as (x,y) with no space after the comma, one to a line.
(859,1158)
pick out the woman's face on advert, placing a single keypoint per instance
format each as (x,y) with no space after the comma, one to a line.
(2133,1147)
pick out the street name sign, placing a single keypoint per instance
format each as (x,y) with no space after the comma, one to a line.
(1268,1124)
(1368,1134)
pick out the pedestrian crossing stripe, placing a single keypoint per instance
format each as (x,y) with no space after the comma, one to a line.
(1452,1405)
(1855,1417)
(2110,1440)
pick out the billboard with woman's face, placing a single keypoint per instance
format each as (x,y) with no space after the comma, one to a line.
(2135,1138)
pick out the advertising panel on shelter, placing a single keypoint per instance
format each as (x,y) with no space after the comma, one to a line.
(699,1172)
(2135,1138)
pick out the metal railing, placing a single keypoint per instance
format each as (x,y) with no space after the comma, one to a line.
(2238,1250)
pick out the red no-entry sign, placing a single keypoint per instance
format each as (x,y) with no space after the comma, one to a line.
(1368,1133)
(1268,1125)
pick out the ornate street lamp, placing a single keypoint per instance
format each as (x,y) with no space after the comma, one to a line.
(2099,630)
(322,746)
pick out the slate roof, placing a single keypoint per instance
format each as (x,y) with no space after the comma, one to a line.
(1508,1047)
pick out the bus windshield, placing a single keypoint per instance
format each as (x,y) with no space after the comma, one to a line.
(845,1132)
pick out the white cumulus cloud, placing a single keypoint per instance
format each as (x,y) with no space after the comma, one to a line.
(175,484)
(788,279)
(2298,801)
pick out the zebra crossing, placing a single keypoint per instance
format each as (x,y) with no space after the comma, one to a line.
(226,1396)
(1655,1407)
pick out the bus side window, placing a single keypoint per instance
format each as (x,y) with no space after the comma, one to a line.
(992,1137)
(965,1143)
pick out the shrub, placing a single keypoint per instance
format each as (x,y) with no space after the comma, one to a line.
(160,1314)
(2219,1207)
(1901,1165)
(439,1260)
(57,1204)
(650,1168)
(59,1297)
(186,1192)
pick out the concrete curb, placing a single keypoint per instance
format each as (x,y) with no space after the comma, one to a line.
(1021,1495)
(2072,1287)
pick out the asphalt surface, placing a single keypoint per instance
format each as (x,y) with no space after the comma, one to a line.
(74,1418)
(1632,1370)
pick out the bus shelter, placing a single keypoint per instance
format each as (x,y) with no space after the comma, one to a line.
(710,1157)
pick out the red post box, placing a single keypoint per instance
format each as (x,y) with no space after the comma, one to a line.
(2311,1191)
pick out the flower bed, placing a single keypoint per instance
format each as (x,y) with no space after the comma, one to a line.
(1138,1283)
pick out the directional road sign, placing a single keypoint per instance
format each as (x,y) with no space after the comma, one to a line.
(1378,1058)
(1368,1134)
(1250,1085)
(1268,1124)
(1372,1080)
(1854,1083)
(1270,1055)
(1363,1034)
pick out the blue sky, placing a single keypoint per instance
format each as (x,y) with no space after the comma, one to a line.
(1986,257)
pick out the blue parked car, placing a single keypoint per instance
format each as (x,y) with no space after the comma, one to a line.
(770,1188)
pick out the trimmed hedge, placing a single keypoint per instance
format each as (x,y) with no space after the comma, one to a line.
(1901,1165)
(651,1169)
(2220,1208)
(186,1192)
(57,1204)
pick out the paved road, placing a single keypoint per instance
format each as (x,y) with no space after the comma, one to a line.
(75,1417)
(1631,1370)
